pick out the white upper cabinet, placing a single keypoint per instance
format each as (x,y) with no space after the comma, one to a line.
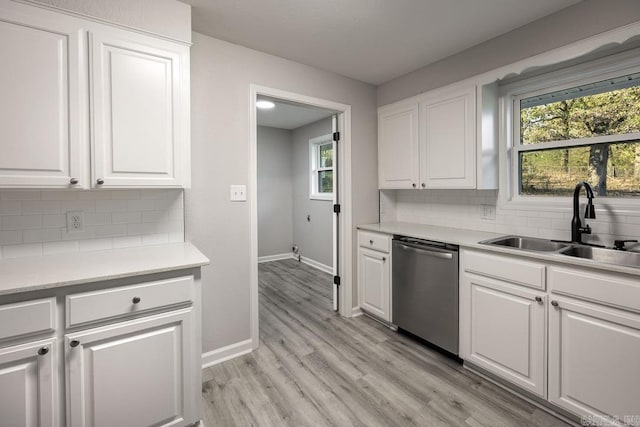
(398,158)
(448,139)
(429,141)
(87,105)
(41,122)
(140,103)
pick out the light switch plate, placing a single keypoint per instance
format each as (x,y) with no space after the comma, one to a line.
(238,193)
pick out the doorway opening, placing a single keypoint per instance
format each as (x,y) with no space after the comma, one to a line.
(300,179)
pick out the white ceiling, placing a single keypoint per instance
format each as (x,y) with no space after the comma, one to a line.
(369,40)
(289,115)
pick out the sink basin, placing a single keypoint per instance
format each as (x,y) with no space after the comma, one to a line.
(526,243)
(608,256)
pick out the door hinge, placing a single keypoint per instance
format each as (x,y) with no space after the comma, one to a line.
(336,136)
(336,280)
(336,208)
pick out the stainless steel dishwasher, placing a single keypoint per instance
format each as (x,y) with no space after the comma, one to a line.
(425,290)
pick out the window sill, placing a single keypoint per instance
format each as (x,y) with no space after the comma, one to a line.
(603,205)
(324,197)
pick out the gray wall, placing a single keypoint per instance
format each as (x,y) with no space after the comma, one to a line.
(577,22)
(275,191)
(221,73)
(315,237)
(169,18)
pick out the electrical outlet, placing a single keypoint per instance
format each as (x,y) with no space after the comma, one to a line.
(238,193)
(75,221)
(487,212)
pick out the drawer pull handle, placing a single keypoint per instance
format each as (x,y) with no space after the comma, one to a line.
(43,350)
(100,181)
(554,303)
(73,181)
(414,185)
(135,300)
(74,343)
(539,299)
(371,242)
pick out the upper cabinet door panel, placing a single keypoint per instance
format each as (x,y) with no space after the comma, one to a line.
(40,83)
(448,159)
(139,134)
(398,146)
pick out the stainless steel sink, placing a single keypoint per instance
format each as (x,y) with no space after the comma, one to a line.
(608,256)
(527,243)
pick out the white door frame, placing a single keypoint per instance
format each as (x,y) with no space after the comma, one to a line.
(344,189)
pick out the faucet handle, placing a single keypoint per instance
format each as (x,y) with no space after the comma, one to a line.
(619,244)
(586,229)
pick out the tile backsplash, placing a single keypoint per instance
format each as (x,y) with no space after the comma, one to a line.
(463,209)
(34,222)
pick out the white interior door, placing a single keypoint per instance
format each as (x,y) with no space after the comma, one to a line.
(335,129)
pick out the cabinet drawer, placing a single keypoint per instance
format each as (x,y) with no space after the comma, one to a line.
(375,241)
(108,303)
(616,290)
(29,317)
(505,268)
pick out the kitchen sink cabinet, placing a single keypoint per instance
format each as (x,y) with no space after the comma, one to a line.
(374,274)
(135,373)
(429,141)
(593,359)
(28,381)
(91,105)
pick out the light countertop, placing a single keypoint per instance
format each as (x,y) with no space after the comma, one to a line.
(471,239)
(50,271)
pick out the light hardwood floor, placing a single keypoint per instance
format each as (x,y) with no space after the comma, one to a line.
(314,368)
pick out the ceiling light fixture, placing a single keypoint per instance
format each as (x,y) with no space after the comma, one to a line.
(263,104)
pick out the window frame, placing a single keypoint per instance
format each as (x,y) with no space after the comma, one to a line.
(314,169)
(510,95)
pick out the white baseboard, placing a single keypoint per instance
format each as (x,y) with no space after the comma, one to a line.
(356,311)
(277,257)
(318,265)
(226,353)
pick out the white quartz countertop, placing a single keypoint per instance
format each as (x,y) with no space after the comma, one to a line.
(471,239)
(50,271)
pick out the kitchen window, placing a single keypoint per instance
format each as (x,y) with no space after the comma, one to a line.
(577,129)
(321,165)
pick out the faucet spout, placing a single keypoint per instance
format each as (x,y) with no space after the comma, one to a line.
(577,230)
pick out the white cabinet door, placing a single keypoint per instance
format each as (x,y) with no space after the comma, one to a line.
(448,140)
(594,359)
(141,104)
(136,373)
(27,385)
(503,331)
(43,98)
(374,283)
(398,158)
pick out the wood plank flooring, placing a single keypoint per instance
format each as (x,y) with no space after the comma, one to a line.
(314,368)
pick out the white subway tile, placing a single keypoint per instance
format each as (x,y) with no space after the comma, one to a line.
(97,218)
(126,217)
(111,205)
(127,242)
(95,195)
(41,235)
(155,216)
(155,239)
(60,195)
(95,245)
(40,207)
(144,228)
(78,205)
(19,195)
(20,222)
(12,237)
(141,205)
(20,251)
(88,233)
(111,230)
(125,194)
(10,207)
(170,227)
(60,247)
(49,221)
(176,237)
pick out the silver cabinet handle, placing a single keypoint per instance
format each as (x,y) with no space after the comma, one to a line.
(43,350)
(414,185)
(73,181)
(74,343)
(554,303)
(100,181)
(539,299)
(423,186)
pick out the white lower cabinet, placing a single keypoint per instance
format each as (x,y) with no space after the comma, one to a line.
(28,381)
(503,331)
(594,360)
(374,274)
(135,373)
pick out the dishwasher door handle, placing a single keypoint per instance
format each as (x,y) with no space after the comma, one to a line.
(426,251)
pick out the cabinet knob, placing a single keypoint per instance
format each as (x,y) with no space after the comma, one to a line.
(135,300)
(74,343)
(423,186)
(384,259)
(554,303)
(539,299)
(73,181)
(371,242)
(43,350)
(100,181)
(414,185)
